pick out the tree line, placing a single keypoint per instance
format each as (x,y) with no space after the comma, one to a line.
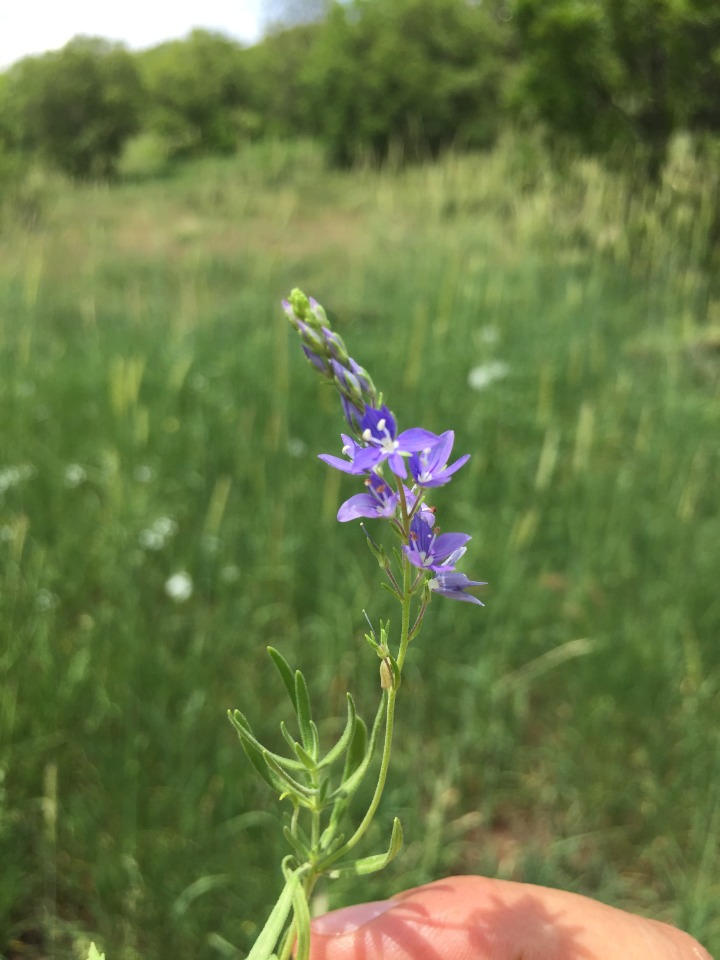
(376,78)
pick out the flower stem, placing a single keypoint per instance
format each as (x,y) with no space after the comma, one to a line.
(389,721)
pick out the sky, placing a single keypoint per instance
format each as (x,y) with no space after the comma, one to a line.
(34,26)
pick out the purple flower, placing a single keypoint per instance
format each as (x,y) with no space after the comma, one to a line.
(350,449)
(452,585)
(429,467)
(379,431)
(380,501)
(430,551)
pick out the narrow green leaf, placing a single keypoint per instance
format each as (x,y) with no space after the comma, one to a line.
(297,844)
(254,754)
(304,714)
(345,738)
(239,721)
(329,846)
(351,783)
(305,758)
(323,791)
(288,737)
(357,749)
(349,786)
(315,740)
(374,644)
(391,590)
(289,782)
(356,868)
(283,668)
(271,932)
(353,775)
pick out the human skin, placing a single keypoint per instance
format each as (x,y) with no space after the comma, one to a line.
(475,918)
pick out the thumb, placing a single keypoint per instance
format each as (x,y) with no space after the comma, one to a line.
(474,918)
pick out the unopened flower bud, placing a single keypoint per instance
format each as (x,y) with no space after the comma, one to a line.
(347,384)
(336,347)
(318,312)
(369,391)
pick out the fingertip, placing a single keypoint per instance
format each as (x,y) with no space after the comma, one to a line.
(349,919)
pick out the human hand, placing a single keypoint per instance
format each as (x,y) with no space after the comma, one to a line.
(475,918)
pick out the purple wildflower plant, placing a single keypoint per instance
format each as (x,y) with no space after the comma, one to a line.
(398,469)
(417,456)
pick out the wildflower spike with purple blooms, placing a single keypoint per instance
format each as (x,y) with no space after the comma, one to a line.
(420,454)
(431,551)
(452,584)
(429,467)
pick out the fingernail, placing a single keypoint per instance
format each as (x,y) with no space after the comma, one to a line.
(349,918)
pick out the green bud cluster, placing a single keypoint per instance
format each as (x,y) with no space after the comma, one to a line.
(327,352)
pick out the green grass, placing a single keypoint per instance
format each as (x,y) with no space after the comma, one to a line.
(146,372)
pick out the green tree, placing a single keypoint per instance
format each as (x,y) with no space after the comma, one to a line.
(610,74)
(76,107)
(416,75)
(279,96)
(197,93)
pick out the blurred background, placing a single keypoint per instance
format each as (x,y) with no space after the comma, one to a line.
(511,211)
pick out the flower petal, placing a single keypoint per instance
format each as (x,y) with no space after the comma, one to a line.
(452,585)
(361,505)
(415,439)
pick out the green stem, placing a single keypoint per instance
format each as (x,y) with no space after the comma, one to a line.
(405,623)
(382,777)
(389,720)
(392,696)
(311,878)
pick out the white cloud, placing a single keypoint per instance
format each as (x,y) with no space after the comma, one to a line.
(34,26)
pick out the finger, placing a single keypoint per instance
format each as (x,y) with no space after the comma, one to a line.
(474,918)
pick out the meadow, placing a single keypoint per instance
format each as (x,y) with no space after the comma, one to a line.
(158,419)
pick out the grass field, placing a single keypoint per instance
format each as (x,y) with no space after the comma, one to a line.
(158,418)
